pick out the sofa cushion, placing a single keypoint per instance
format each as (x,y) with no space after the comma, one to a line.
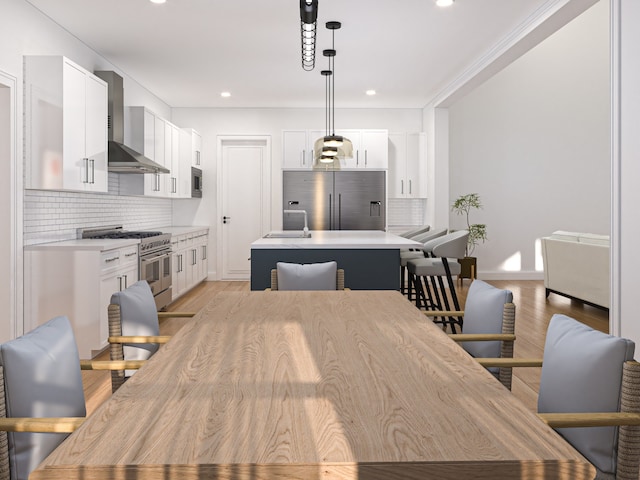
(42,379)
(582,372)
(594,239)
(310,276)
(564,235)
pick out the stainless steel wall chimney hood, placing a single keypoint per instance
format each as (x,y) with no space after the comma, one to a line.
(122,159)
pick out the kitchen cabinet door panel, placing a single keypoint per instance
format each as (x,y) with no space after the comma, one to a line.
(95,139)
(75,167)
(65,126)
(407,165)
(295,150)
(374,151)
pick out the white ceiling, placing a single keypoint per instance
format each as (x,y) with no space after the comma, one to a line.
(188,51)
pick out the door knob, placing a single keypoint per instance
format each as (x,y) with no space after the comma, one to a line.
(226,219)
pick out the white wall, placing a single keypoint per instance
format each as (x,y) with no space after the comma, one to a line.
(240,121)
(534,142)
(26,31)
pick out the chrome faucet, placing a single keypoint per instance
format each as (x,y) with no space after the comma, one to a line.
(305,230)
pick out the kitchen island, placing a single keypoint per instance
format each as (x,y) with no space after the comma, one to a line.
(370,258)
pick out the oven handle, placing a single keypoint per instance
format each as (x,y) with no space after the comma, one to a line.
(155,257)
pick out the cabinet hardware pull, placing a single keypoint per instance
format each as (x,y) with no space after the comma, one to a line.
(93,170)
(120,283)
(410,192)
(112,259)
(86,170)
(402,187)
(365,157)
(130,254)
(126,285)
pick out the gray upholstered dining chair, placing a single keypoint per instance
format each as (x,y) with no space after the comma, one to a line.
(134,328)
(590,393)
(489,325)
(415,231)
(411,253)
(425,275)
(308,276)
(41,394)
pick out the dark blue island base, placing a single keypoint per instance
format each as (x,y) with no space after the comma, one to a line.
(364,269)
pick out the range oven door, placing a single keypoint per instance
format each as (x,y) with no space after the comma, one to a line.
(156,270)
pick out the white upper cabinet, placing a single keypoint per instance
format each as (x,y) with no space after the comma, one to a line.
(407,165)
(195,147)
(180,164)
(370,149)
(156,184)
(184,164)
(295,150)
(65,126)
(374,149)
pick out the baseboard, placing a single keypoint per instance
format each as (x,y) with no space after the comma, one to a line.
(522,275)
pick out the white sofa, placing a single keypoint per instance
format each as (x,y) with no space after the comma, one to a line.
(576,265)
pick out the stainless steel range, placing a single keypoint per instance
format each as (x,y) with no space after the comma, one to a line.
(154,253)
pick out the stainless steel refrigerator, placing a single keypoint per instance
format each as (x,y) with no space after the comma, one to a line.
(335,200)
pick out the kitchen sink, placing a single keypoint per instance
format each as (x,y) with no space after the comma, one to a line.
(287,235)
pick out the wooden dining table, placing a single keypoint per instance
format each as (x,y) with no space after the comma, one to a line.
(312,385)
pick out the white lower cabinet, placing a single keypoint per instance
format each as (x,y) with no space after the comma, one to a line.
(190,261)
(78,284)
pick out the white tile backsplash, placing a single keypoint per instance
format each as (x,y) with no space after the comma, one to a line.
(55,216)
(405,212)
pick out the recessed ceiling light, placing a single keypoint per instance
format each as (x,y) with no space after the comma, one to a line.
(370,92)
(158,1)
(444,3)
(225,94)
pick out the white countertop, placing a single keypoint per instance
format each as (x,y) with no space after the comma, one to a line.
(338,239)
(86,244)
(181,230)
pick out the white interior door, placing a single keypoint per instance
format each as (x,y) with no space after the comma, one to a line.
(244,179)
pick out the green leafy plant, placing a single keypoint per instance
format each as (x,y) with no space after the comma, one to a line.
(477,231)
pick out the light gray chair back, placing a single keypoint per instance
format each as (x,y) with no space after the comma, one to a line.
(138,317)
(452,245)
(431,239)
(415,231)
(582,372)
(41,379)
(483,313)
(310,276)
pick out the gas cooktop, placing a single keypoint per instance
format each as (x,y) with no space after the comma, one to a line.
(126,234)
(115,232)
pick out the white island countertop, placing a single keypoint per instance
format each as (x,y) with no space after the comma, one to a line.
(338,239)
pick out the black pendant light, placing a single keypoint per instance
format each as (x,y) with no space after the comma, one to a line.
(331,139)
(308,23)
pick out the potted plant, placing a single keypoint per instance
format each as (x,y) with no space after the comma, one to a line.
(477,232)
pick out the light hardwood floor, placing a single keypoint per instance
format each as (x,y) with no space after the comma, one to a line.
(533,313)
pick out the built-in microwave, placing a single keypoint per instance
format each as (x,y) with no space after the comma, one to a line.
(196,182)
